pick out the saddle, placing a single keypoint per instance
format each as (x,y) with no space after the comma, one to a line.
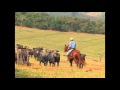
(70,54)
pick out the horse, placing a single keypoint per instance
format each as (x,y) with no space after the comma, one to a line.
(76,56)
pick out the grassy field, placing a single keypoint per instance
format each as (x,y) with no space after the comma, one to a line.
(93,45)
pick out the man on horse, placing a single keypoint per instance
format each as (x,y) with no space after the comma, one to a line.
(71,46)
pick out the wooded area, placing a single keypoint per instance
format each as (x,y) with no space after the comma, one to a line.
(61,23)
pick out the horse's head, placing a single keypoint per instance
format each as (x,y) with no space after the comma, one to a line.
(66,48)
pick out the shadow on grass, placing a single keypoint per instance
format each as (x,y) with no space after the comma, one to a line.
(19,73)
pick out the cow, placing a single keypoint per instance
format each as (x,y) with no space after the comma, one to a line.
(24,56)
(19,46)
(43,57)
(54,57)
(83,59)
(36,52)
(83,56)
(30,52)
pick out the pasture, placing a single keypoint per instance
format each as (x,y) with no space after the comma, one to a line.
(93,45)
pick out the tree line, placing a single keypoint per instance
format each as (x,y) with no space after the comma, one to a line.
(45,21)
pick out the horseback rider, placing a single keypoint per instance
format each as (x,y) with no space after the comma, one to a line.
(71,46)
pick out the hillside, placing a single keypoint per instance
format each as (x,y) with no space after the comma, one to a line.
(45,38)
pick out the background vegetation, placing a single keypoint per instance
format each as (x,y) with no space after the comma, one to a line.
(62,21)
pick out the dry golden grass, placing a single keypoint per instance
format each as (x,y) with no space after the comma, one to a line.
(93,69)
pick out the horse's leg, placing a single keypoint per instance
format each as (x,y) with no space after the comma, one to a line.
(76,61)
(80,65)
(77,64)
(71,63)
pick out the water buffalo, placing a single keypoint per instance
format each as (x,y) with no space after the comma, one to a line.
(30,52)
(25,56)
(43,57)
(36,52)
(83,59)
(19,46)
(54,57)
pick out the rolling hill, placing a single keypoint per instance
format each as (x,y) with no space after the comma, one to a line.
(93,45)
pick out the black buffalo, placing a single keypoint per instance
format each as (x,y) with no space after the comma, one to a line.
(25,56)
(54,57)
(30,52)
(36,52)
(43,57)
(19,46)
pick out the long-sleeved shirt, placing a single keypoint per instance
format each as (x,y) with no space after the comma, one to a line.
(72,45)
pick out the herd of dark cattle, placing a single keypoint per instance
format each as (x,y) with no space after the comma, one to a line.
(51,56)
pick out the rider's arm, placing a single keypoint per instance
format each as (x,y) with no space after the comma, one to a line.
(69,45)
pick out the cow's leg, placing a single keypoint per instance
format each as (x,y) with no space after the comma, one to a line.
(40,63)
(23,58)
(44,63)
(50,64)
(26,59)
(53,64)
(57,63)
